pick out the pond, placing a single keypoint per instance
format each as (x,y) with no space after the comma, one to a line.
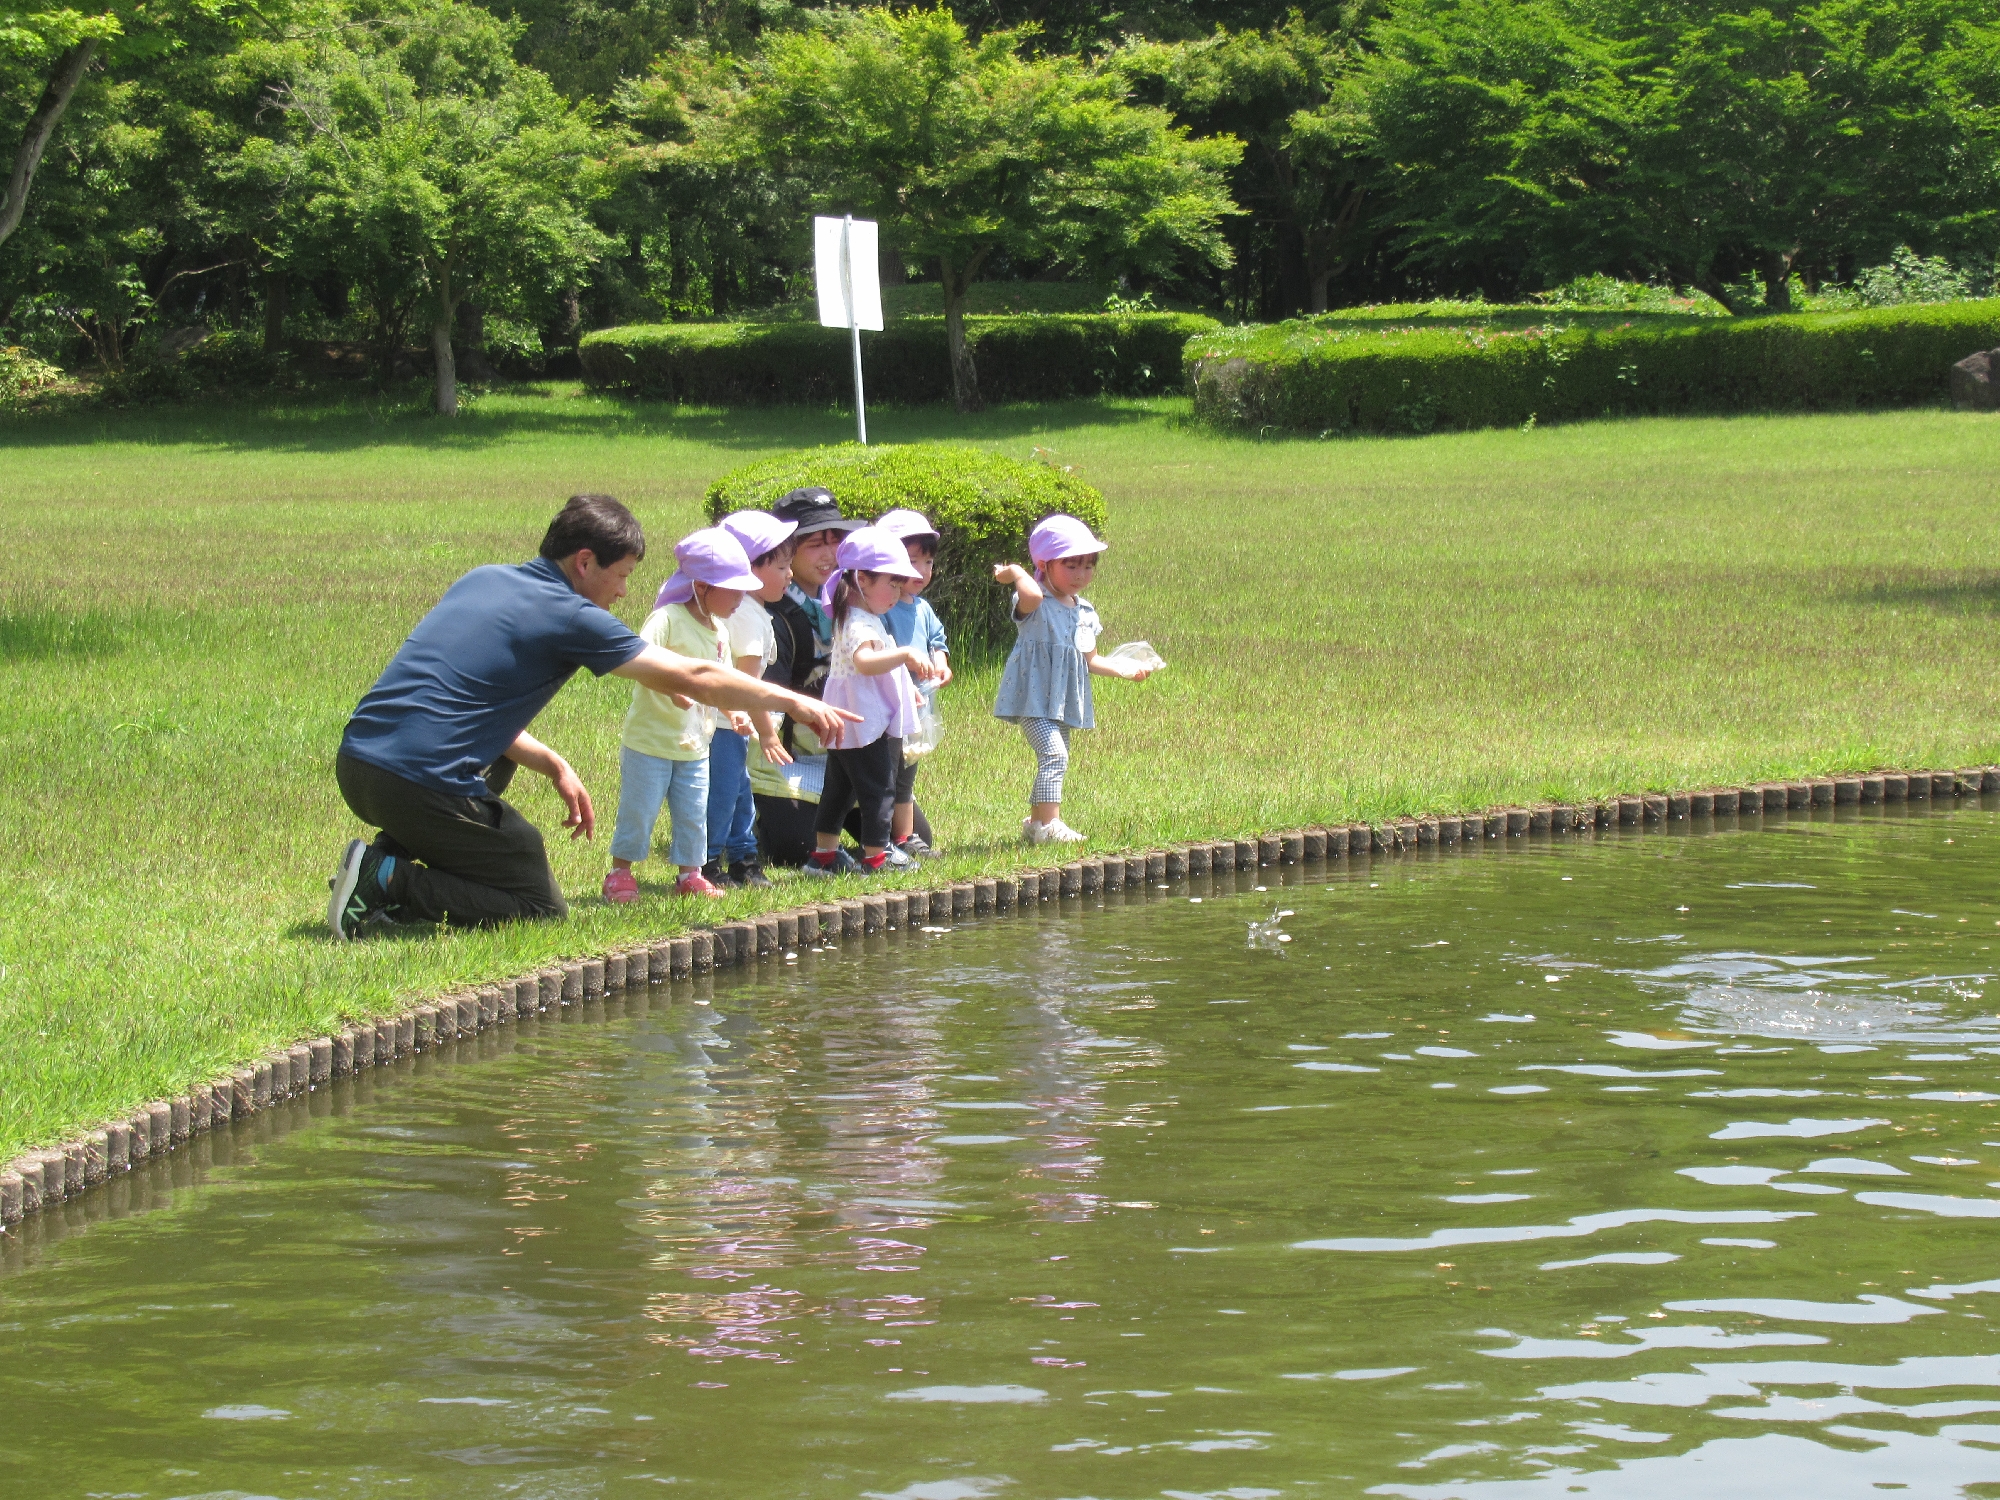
(1629,1165)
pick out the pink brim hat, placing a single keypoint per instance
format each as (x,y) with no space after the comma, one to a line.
(1062,536)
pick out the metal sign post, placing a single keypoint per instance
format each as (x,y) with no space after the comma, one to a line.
(850,290)
(853,328)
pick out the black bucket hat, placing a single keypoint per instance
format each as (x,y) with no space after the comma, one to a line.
(815,509)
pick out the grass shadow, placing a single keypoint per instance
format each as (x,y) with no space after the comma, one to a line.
(1971,592)
(344,421)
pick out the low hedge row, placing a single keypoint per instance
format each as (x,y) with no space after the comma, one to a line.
(1314,376)
(983,505)
(1034,357)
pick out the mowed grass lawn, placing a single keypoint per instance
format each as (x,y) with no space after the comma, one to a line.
(193,601)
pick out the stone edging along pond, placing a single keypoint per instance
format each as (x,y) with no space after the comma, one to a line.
(48,1177)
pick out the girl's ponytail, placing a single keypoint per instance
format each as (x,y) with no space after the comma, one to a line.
(845,597)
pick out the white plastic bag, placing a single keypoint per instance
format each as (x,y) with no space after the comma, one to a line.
(1136,654)
(922,740)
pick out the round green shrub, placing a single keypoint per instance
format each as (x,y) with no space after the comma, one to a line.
(983,505)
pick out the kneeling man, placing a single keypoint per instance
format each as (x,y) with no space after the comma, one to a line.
(434,743)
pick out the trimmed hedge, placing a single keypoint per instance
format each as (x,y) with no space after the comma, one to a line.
(983,505)
(1319,376)
(1034,357)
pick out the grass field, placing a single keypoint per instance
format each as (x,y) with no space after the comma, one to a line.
(192,601)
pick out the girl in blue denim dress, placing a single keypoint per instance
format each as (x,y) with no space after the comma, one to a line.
(1046,687)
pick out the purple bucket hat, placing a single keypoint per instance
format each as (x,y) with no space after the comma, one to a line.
(711,556)
(1061,536)
(905,524)
(758,530)
(870,549)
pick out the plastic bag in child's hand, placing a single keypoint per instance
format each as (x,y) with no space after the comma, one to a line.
(922,740)
(1137,654)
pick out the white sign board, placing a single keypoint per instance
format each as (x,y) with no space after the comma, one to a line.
(850,286)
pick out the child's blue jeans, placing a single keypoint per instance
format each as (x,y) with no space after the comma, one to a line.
(732,811)
(644,782)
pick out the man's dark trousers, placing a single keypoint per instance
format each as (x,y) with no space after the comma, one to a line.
(482,861)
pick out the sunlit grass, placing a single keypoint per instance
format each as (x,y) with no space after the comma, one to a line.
(191,602)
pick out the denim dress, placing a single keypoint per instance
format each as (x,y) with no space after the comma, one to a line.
(1048,674)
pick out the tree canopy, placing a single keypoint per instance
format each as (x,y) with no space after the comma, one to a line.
(490,176)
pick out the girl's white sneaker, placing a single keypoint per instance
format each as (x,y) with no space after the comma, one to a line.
(1055,831)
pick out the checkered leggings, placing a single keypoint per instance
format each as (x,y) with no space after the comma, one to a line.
(1050,741)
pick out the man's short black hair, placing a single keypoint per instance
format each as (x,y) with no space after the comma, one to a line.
(600,523)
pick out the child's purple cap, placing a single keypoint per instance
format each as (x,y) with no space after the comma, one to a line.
(868,549)
(1062,536)
(905,524)
(711,556)
(872,549)
(758,530)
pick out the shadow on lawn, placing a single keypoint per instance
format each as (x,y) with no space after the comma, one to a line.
(1970,592)
(344,422)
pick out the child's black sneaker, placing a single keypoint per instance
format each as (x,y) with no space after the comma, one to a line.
(826,866)
(748,872)
(915,847)
(712,873)
(357,894)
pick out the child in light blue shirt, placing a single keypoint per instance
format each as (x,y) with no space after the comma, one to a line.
(912,622)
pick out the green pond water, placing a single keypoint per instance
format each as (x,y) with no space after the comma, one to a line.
(1631,1166)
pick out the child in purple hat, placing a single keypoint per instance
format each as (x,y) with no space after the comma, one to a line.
(912,622)
(753,645)
(1046,686)
(663,756)
(875,678)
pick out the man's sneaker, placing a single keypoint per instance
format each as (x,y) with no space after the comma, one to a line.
(748,872)
(621,887)
(1055,831)
(915,847)
(356,892)
(696,884)
(712,873)
(842,863)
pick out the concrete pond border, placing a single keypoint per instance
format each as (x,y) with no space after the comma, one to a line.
(45,1178)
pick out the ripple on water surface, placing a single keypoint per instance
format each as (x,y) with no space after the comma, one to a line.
(1018,1210)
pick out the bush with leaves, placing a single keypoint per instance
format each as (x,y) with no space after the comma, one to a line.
(1028,358)
(983,505)
(1307,376)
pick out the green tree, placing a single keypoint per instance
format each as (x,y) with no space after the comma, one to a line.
(47,51)
(1501,130)
(1279,91)
(1530,141)
(1807,133)
(962,150)
(419,156)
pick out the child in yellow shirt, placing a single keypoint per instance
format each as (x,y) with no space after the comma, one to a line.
(663,755)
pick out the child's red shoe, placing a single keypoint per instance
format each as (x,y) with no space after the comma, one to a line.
(621,887)
(696,884)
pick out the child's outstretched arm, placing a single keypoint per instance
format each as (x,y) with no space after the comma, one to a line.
(874,661)
(1027,593)
(1105,667)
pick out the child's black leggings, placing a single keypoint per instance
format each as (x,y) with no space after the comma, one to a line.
(864,779)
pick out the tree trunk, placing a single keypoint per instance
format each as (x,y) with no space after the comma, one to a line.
(443,314)
(471,342)
(964,374)
(277,302)
(1316,279)
(67,74)
(1777,282)
(1713,284)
